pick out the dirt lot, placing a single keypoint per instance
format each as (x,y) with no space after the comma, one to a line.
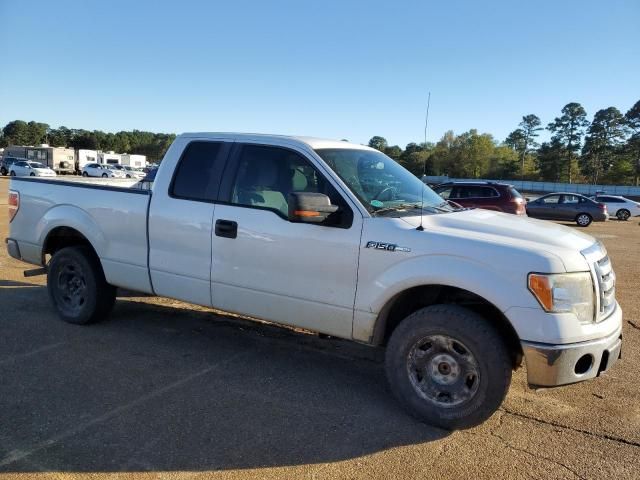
(165,390)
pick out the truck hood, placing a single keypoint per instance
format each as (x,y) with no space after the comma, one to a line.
(515,231)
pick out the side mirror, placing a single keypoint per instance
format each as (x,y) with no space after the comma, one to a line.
(307,207)
(527,199)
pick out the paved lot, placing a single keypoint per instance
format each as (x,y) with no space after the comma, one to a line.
(165,390)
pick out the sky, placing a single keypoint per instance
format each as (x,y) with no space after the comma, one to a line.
(335,69)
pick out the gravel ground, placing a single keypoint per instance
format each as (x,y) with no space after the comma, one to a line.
(168,390)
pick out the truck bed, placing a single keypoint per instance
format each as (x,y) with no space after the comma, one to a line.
(111,214)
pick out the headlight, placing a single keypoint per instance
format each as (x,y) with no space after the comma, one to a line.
(565,292)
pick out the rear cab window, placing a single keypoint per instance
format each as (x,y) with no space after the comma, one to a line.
(199,171)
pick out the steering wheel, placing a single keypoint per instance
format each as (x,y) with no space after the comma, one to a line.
(393,191)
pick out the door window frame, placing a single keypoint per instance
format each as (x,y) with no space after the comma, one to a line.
(232,168)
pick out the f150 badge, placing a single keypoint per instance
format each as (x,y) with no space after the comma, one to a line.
(390,247)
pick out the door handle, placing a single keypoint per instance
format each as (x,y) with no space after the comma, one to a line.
(226,228)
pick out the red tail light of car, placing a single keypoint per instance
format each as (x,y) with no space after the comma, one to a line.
(603,207)
(13,203)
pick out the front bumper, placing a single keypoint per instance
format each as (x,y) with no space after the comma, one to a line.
(554,365)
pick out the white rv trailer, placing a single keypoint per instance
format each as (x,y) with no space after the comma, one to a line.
(134,161)
(109,158)
(83,157)
(60,159)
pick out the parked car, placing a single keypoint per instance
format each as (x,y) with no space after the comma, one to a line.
(568,206)
(6,163)
(501,197)
(25,168)
(99,170)
(620,207)
(130,172)
(282,229)
(118,170)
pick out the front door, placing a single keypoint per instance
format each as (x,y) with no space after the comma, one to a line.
(268,267)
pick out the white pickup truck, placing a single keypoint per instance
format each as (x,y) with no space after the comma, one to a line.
(339,239)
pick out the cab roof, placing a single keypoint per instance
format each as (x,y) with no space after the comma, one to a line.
(302,141)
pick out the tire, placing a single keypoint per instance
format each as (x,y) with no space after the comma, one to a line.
(85,174)
(583,219)
(3,171)
(104,175)
(623,214)
(32,174)
(12,174)
(77,287)
(458,396)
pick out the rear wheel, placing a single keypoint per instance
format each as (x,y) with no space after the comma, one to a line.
(448,366)
(583,219)
(3,171)
(13,174)
(77,287)
(623,214)
(85,174)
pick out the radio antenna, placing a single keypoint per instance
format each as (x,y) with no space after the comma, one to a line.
(424,165)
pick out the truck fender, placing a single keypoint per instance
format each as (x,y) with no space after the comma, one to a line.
(470,274)
(71,217)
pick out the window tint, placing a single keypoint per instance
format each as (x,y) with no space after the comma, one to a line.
(515,193)
(551,199)
(570,199)
(198,173)
(472,191)
(267,175)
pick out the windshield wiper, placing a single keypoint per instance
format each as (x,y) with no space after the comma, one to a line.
(395,208)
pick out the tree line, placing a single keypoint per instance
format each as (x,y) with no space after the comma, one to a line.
(153,145)
(603,150)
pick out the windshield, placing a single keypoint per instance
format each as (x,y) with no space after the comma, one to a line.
(379,182)
(37,165)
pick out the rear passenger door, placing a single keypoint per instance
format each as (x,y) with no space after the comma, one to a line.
(568,207)
(267,267)
(180,222)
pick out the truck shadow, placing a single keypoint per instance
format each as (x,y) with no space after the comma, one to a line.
(166,388)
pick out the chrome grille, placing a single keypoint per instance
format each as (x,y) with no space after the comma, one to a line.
(606,278)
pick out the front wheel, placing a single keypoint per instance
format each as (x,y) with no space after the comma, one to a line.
(3,171)
(104,175)
(623,215)
(583,220)
(32,174)
(448,366)
(85,174)
(12,174)
(77,287)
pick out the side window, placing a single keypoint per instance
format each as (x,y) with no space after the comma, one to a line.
(489,192)
(570,199)
(267,175)
(463,192)
(551,200)
(198,173)
(444,192)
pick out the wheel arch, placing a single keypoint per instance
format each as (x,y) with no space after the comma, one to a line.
(412,299)
(61,237)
